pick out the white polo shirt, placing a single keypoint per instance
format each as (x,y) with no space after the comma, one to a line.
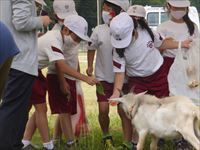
(141,58)
(101,42)
(50,48)
(71,59)
(178,31)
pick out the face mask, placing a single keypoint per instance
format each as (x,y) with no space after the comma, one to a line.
(106,17)
(69,42)
(60,23)
(178,14)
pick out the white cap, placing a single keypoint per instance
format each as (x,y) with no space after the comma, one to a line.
(137,10)
(124,4)
(78,25)
(42,2)
(121,28)
(64,8)
(179,3)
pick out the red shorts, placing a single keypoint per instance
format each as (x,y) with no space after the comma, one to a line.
(59,102)
(155,84)
(108,90)
(168,61)
(39,90)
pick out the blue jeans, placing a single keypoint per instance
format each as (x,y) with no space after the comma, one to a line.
(14,109)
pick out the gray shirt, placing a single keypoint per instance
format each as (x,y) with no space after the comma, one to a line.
(20,17)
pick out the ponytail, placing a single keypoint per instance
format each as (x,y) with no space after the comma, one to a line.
(189,24)
(142,22)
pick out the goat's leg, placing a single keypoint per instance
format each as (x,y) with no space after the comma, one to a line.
(141,141)
(189,135)
(154,141)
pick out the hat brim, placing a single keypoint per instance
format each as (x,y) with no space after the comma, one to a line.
(64,15)
(121,43)
(179,3)
(83,37)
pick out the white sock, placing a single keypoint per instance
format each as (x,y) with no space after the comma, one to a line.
(26,142)
(48,145)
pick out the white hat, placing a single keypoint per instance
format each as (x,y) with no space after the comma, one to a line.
(121,28)
(78,25)
(179,3)
(124,4)
(64,8)
(137,10)
(42,2)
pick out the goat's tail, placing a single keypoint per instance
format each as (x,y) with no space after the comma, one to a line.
(197,122)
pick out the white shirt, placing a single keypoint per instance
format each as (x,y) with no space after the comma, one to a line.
(57,26)
(141,58)
(50,48)
(178,31)
(101,42)
(71,59)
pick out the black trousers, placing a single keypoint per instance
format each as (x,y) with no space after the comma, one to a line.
(14,109)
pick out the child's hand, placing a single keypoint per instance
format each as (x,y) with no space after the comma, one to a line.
(186,43)
(89,71)
(91,80)
(111,102)
(65,89)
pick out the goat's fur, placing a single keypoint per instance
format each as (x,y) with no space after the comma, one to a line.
(167,117)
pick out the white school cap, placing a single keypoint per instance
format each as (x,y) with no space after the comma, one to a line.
(179,3)
(78,25)
(124,4)
(137,10)
(121,28)
(64,8)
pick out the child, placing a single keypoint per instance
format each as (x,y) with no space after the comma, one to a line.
(51,50)
(179,27)
(62,98)
(136,49)
(100,41)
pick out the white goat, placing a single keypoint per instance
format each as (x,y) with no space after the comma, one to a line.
(162,118)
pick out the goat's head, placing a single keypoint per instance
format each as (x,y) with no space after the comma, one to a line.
(128,102)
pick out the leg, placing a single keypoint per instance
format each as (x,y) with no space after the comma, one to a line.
(189,135)
(154,141)
(4,69)
(30,128)
(66,126)
(14,109)
(104,119)
(57,129)
(141,142)
(126,125)
(41,121)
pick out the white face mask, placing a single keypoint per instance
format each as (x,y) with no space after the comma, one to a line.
(178,14)
(106,17)
(69,42)
(60,23)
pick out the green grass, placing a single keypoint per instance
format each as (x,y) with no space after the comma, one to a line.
(92,141)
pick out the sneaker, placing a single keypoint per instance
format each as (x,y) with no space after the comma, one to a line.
(108,143)
(29,147)
(182,144)
(127,146)
(72,145)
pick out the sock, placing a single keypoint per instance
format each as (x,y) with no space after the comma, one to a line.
(26,142)
(48,145)
(70,142)
(106,135)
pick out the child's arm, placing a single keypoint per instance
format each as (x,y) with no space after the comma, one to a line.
(64,86)
(66,69)
(90,58)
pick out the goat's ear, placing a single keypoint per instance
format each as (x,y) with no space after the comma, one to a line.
(140,94)
(120,99)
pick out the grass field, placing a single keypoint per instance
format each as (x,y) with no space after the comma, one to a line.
(93,140)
